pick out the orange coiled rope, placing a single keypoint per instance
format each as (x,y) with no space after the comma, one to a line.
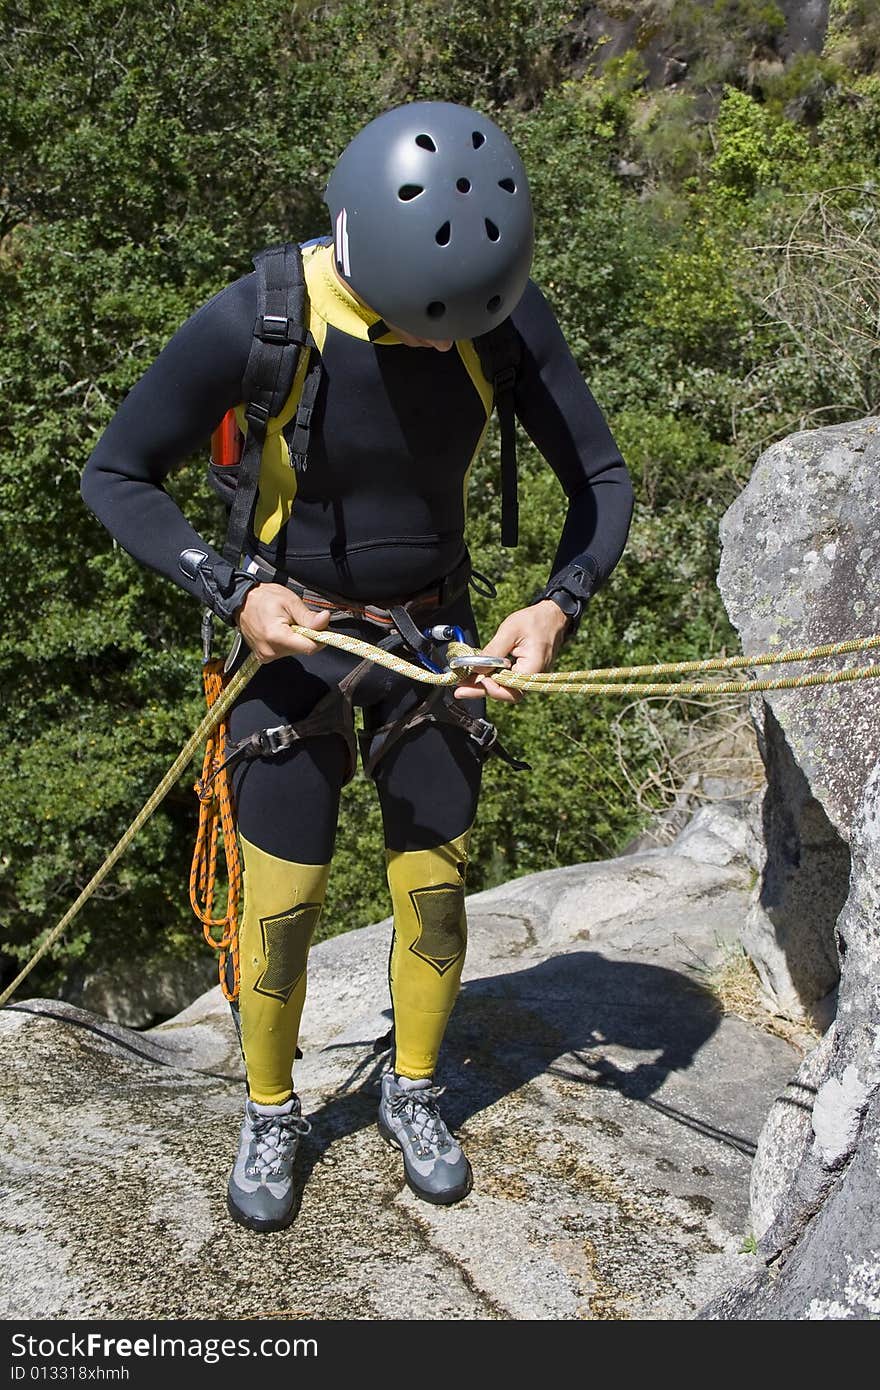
(216,814)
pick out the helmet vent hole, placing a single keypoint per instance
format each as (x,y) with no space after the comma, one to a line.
(463,185)
(442,235)
(494,303)
(409,191)
(426,143)
(492,231)
(435,309)
(478,139)
(508,185)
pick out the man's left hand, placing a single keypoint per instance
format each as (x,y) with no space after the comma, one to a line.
(532,637)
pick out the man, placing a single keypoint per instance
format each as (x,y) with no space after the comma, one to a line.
(432,245)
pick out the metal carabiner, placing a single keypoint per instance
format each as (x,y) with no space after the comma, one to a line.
(431,665)
(448,632)
(445,632)
(480,662)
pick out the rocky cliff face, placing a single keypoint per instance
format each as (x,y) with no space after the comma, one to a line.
(799,568)
(669,43)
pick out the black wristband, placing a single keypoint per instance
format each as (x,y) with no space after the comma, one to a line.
(571,590)
(224,588)
(572,608)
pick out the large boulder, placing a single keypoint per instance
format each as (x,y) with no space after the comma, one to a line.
(798,569)
(137,993)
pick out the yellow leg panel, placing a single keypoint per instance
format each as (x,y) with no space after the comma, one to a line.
(427,955)
(282,905)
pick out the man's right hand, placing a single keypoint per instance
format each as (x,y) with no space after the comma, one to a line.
(264,620)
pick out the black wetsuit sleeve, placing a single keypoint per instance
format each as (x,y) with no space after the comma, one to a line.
(557,409)
(170,412)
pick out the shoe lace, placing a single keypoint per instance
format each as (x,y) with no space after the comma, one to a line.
(422,1109)
(275,1137)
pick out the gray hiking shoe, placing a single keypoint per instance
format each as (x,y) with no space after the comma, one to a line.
(260,1191)
(409,1117)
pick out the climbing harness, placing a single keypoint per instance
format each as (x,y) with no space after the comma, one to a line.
(605,680)
(401,621)
(334,713)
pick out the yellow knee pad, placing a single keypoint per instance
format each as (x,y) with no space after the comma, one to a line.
(427,954)
(282,905)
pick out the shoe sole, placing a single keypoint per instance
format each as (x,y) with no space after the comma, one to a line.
(256,1223)
(437,1199)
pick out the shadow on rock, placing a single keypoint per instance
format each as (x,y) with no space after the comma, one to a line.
(566,1017)
(559,1018)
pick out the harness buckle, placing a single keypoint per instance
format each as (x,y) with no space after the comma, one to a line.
(207,635)
(484,735)
(276,328)
(272,741)
(504,379)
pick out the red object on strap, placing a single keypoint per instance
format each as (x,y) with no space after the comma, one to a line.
(226,442)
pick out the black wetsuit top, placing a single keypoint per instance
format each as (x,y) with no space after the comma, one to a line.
(380,511)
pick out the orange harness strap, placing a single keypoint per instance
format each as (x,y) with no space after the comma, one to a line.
(216,814)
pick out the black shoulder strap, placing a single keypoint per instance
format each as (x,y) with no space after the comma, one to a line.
(500,353)
(279,337)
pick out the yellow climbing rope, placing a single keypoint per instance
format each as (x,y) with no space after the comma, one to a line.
(590,682)
(600,681)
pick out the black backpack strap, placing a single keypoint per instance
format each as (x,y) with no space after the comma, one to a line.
(299,443)
(500,353)
(278,339)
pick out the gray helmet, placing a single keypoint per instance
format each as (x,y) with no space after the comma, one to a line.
(433,220)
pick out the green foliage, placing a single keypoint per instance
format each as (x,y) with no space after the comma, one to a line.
(754,150)
(695,304)
(147,149)
(850,148)
(669,141)
(569,147)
